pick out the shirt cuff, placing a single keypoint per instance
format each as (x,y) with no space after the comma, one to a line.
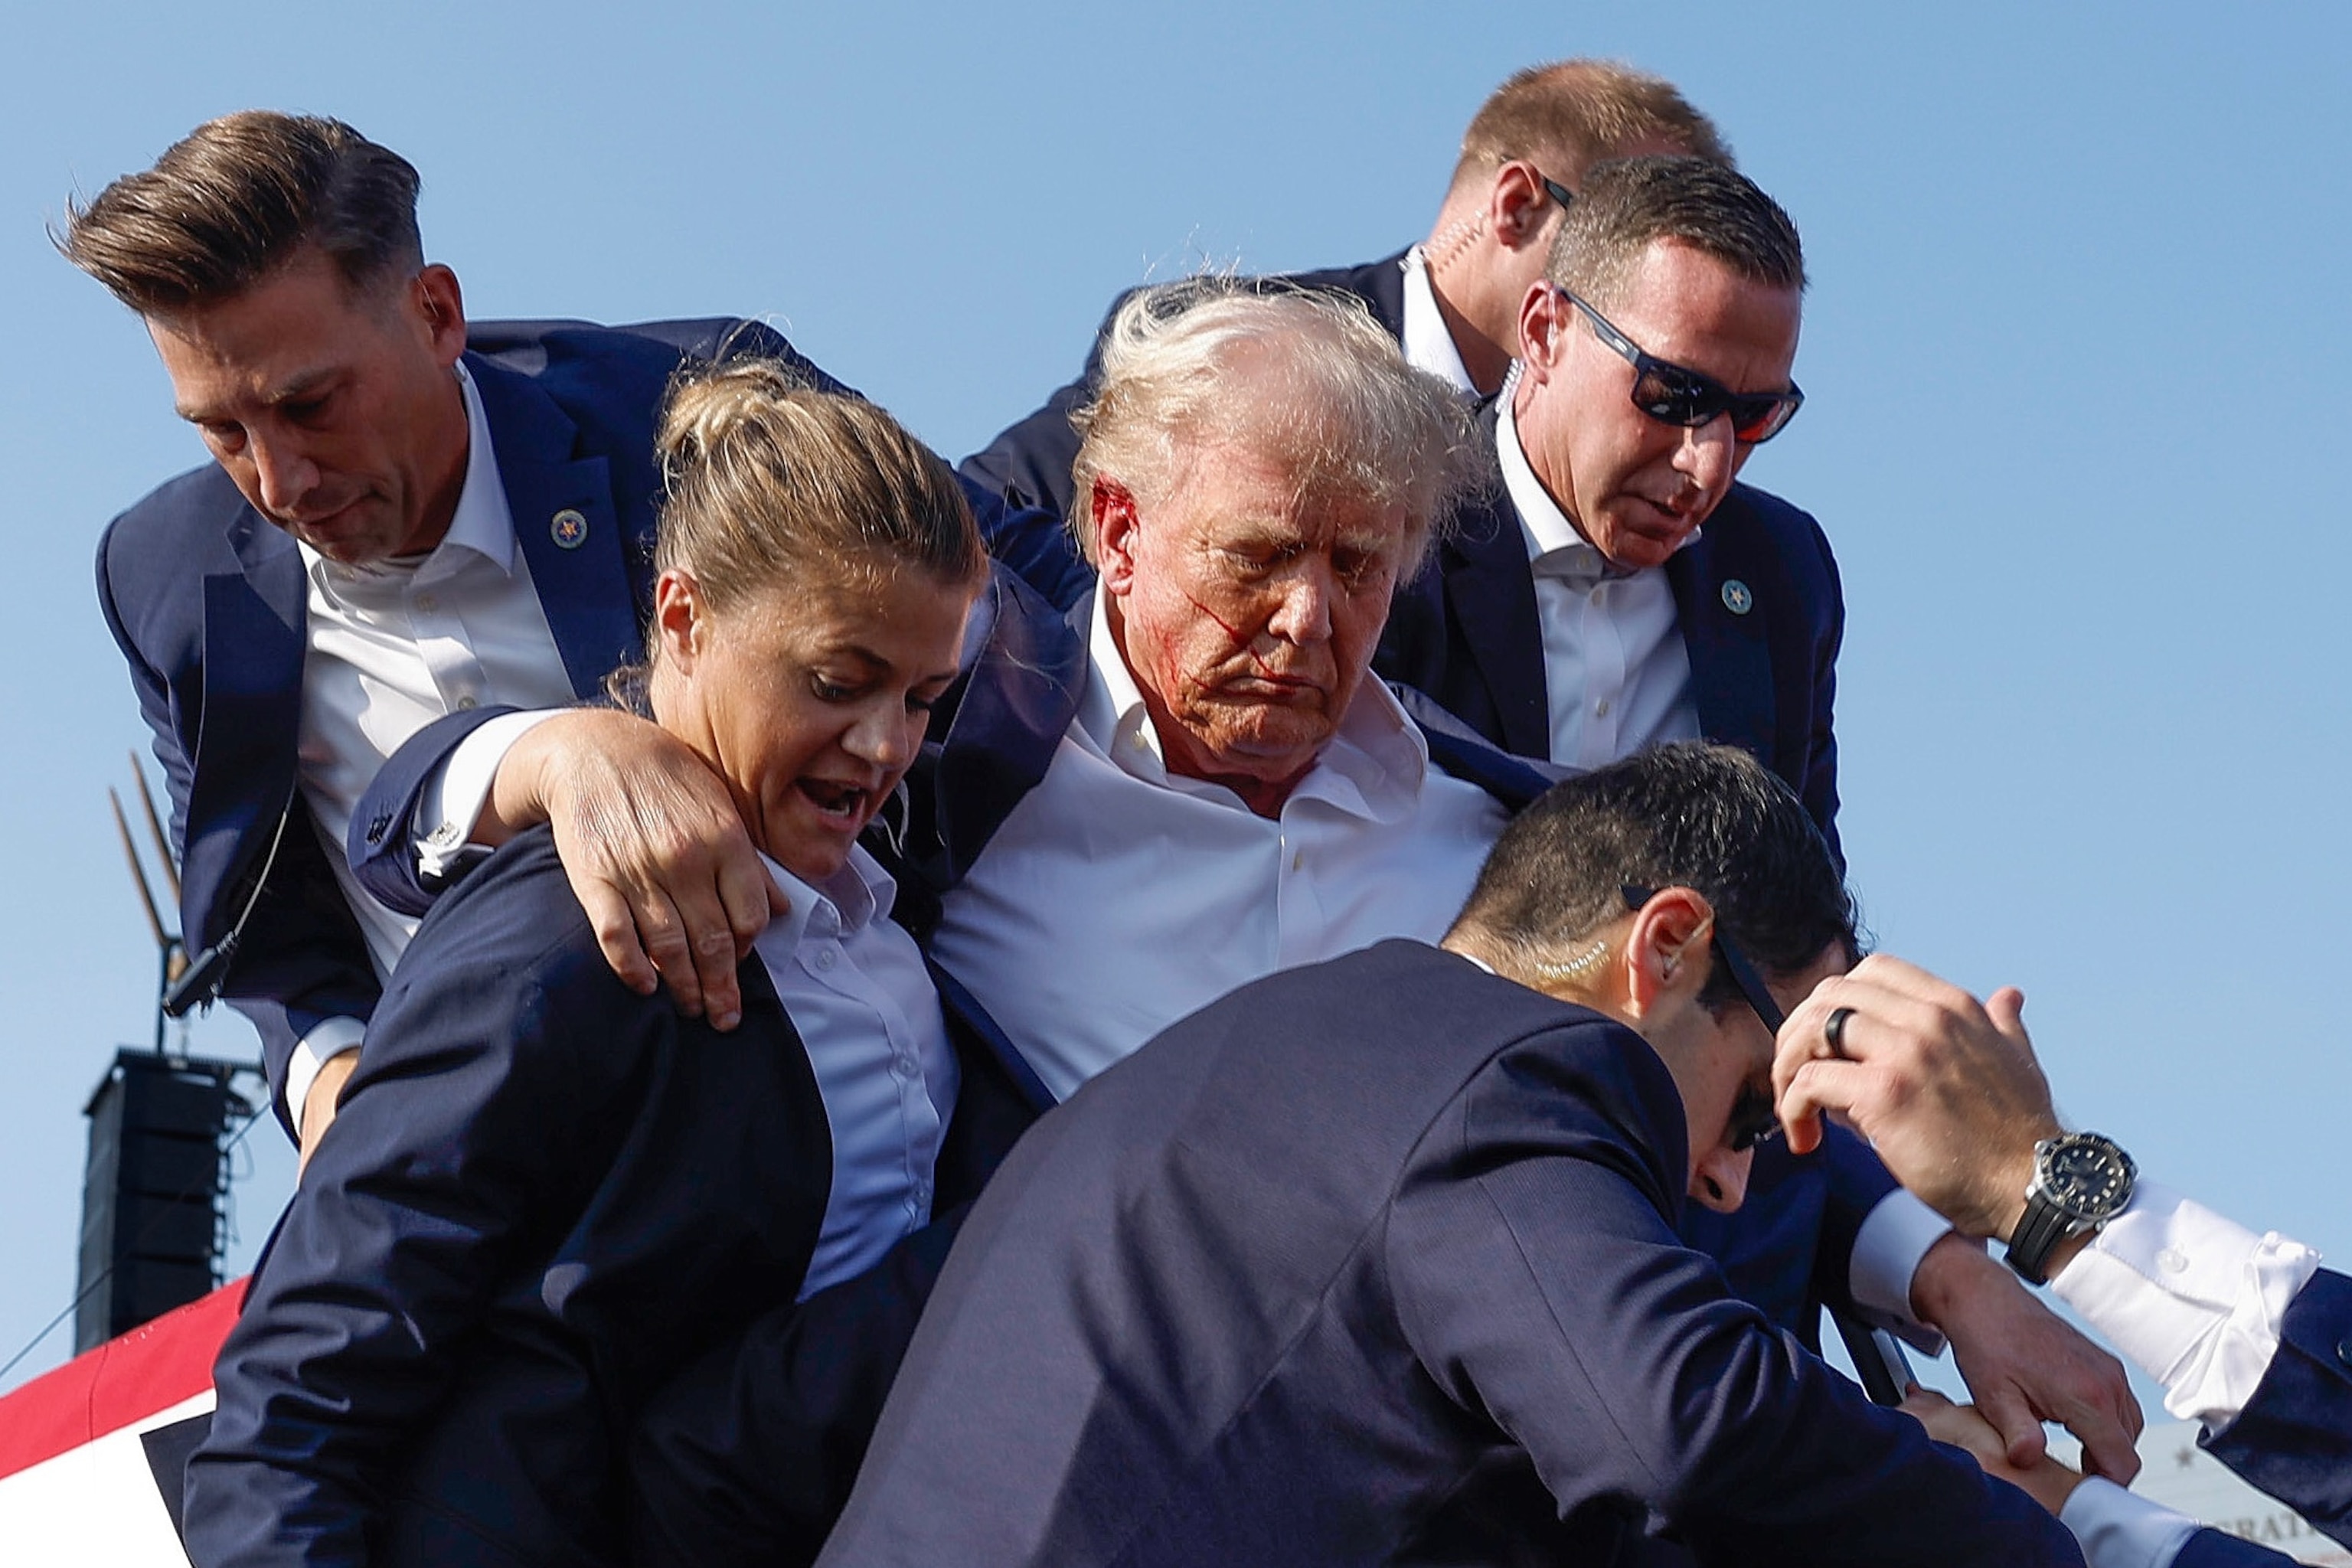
(1894,1236)
(2117,1529)
(451,800)
(2194,1299)
(332,1038)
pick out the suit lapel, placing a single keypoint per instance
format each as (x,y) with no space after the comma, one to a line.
(1490,596)
(580,559)
(1730,660)
(246,746)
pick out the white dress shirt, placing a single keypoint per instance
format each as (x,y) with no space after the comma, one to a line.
(2196,1300)
(1118,896)
(395,645)
(1616,671)
(2190,1297)
(867,1014)
(1428,344)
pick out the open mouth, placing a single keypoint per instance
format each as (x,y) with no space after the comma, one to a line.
(841,803)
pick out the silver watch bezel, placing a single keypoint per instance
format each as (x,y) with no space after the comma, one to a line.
(2081,1211)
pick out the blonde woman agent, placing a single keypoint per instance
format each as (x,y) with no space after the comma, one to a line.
(545,1192)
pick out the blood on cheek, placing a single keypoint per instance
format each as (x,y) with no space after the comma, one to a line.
(1242,643)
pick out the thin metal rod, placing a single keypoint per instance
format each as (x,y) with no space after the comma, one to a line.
(139,873)
(155,826)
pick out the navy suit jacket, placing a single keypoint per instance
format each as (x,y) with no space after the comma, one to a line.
(2294,1440)
(1757,601)
(543,1195)
(1283,1284)
(207,600)
(1029,461)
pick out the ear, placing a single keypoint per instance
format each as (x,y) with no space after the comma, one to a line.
(442,306)
(681,625)
(1544,325)
(1519,211)
(1664,952)
(1110,512)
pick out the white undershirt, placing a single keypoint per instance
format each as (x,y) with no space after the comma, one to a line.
(1118,897)
(867,1013)
(1616,674)
(1427,344)
(392,647)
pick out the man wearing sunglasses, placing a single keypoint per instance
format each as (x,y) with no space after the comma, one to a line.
(1612,586)
(1452,301)
(1375,1260)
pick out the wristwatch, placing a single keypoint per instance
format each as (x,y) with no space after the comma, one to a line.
(2081,1181)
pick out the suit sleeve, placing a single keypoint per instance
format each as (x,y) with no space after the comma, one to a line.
(2294,1440)
(1539,1283)
(302,967)
(1029,462)
(383,831)
(455,1126)
(2214,1549)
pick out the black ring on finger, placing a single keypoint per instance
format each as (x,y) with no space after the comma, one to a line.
(1833,1031)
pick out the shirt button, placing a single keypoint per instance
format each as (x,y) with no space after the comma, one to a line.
(1600,708)
(2171,1261)
(2344,1353)
(428,601)
(468,704)
(1600,595)
(825,958)
(1299,860)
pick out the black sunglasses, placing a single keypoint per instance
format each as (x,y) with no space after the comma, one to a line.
(1676,395)
(1556,191)
(1753,1118)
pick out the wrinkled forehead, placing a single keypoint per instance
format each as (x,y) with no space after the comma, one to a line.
(1227,490)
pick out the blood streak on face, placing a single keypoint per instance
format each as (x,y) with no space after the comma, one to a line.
(1247,605)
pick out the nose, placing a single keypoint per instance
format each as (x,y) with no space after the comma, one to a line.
(283,474)
(886,736)
(1304,615)
(1710,455)
(1719,1181)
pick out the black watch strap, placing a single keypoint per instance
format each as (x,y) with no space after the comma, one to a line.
(2042,1226)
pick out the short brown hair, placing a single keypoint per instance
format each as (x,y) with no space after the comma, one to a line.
(1571,114)
(1305,377)
(1631,203)
(234,200)
(769,482)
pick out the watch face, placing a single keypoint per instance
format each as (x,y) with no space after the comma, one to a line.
(2087,1178)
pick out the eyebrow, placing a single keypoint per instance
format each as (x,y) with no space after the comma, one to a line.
(308,384)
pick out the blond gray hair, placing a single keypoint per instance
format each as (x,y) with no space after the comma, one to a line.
(1303,377)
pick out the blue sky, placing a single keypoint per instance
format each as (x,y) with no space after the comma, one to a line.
(2074,356)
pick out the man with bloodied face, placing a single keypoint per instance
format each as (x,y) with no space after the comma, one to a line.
(1190,781)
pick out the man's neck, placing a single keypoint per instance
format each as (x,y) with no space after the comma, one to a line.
(1485,360)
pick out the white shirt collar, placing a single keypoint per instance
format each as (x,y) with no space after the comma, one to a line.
(482,523)
(1553,539)
(1373,764)
(845,903)
(1428,345)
